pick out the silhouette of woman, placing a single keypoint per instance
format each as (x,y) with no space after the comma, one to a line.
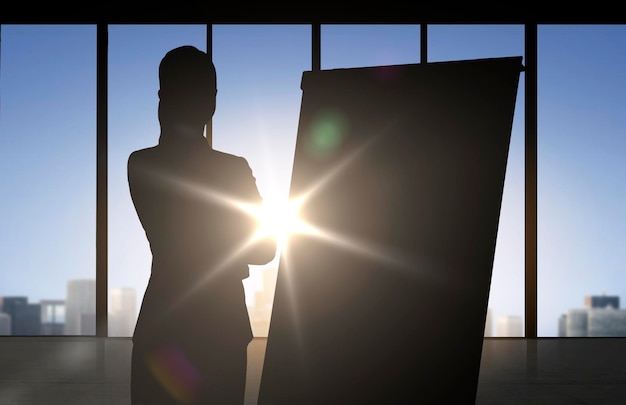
(190,341)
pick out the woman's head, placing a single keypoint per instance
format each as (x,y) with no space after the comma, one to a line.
(187,86)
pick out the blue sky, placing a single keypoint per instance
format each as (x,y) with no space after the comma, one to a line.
(48,148)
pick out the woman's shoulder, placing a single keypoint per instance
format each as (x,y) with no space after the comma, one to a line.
(142,156)
(143,153)
(229,158)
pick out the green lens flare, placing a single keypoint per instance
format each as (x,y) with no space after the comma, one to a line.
(326,134)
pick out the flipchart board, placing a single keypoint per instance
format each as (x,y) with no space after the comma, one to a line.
(383,298)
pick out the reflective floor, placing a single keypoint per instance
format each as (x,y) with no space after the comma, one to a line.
(73,370)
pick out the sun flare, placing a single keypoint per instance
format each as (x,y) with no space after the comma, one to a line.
(279,219)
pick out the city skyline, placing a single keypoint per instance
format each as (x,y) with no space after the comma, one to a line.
(123,309)
(73,314)
(601,315)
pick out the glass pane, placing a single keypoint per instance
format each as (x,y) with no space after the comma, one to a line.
(506,297)
(259,69)
(135,52)
(48,182)
(346,46)
(581,180)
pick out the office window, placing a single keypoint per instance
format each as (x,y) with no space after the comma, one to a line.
(581,180)
(48,181)
(356,45)
(259,69)
(135,52)
(506,297)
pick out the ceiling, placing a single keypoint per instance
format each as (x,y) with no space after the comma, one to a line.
(306,13)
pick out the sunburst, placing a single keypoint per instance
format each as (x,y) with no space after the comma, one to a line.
(280,219)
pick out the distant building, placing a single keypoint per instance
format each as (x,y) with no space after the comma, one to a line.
(27,320)
(80,307)
(602,301)
(576,322)
(260,312)
(87,324)
(600,317)
(606,322)
(260,315)
(563,325)
(52,317)
(10,306)
(270,274)
(5,324)
(510,326)
(123,312)
(488,324)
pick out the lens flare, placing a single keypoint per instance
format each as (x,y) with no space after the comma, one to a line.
(326,134)
(175,373)
(279,219)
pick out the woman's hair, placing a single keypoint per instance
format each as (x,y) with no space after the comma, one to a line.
(186,69)
(187,83)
